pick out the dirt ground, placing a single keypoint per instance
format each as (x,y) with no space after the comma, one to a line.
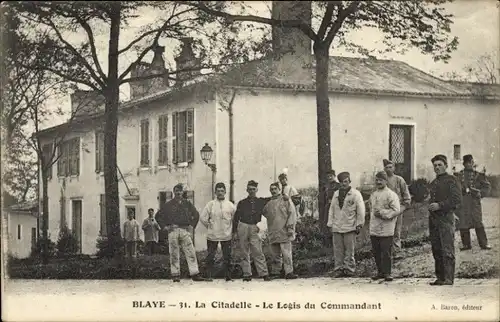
(477,263)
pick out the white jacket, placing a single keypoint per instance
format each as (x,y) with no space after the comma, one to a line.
(351,215)
(218,216)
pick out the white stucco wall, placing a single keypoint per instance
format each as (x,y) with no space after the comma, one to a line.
(149,182)
(284,124)
(20,248)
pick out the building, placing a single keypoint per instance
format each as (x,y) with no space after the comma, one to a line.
(262,117)
(22,229)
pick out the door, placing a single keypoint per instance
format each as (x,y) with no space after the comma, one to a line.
(400,150)
(76,227)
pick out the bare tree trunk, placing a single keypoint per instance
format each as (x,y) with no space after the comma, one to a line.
(110,134)
(45,216)
(323,126)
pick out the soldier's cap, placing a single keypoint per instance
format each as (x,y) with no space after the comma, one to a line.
(381,175)
(468,158)
(276,184)
(440,157)
(220,185)
(331,171)
(282,175)
(179,186)
(343,175)
(387,162)
(253,183)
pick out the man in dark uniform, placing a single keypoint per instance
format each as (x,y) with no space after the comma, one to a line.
(248,214)
(329,189)
(474,187)
(445,199)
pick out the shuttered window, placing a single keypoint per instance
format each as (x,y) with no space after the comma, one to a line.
(189,195)
(183,136)
(162,140)
(47,151)
(62,212)
(68,163)
(144,143)
(164,197)
(102,207)
(99,152)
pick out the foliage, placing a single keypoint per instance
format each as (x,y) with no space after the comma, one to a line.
(309,238)
(419,189)
(104,249)
(67,243)
(310,197)
(485,70)
(51,247)
(495,185)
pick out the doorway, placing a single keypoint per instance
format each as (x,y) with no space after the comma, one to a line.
(76,222)
(400,149)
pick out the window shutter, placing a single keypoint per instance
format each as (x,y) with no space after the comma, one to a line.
(97,154)
(190,196)
(60,160)
(47,160)
(190,136)
(62,209)
(102,207)
(163,140)
(175,156)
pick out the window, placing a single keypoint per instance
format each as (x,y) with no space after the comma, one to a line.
(19,229)
(69,159)
(457,153)
(183,136)
(130,210)
(99,152)
(102,207)
(162,140)
(189,195)
(145,143)
(47,152)
(163,197)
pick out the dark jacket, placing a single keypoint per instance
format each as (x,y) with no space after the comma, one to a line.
(445,190)
(174,213)
(249,211)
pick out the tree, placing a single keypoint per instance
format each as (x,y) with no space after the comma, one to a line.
(485,70)
(420,24)
(80,63)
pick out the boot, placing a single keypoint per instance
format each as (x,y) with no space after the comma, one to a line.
(247,278)
(449,270)
(290,276)
(199,278)
(465,236)
(482,239)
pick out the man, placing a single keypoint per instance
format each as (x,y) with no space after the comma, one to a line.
(131,235)
(398,185)
(445,198)
(248,214)
(385,208)
(179,217)
(346,217)
(330,188)
(281,220)
(217,217)
(289,190)
(151,229)
(474,187)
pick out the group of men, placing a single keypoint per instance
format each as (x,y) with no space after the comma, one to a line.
(450,196)
(226,222)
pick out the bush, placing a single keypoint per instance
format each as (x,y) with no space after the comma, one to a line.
(39,247)
(309,239)
(495,185)
(419,189)
(103,249)
(67,243)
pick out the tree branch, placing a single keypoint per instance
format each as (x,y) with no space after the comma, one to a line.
(304,27)
(327,18)
(93,48)
(75,52)
(342,15)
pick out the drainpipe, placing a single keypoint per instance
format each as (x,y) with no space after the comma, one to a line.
(231,147)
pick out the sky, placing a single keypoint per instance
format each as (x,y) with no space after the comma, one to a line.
(476,23)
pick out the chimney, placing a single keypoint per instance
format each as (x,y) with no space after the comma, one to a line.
(291,41)
(187,60)
(86,103)
(143,87)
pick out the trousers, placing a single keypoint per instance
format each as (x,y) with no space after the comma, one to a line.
(343,251)
(442,236)
(396,244)
(150,247)
(131,249)
(480,234)
(180,239)
(226,254)
(281,256)
(382,251)
(250,243)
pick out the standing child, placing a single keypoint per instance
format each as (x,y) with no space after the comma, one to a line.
(131,235)
(151,231)
(385,208)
